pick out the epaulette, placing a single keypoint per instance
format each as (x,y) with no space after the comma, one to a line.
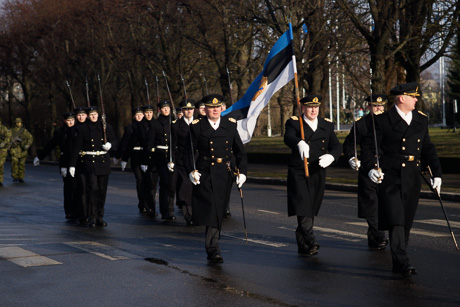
(358,118)
(327,119)
(231,119)
(378,112)
(195,121)
(422,113)
(294,117)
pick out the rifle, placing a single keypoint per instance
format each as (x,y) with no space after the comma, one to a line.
(87,93)
(158,95)
(229,86)
(173,111)
(71,96)
(375,135)
(104,122)
(353,105)
(205,84)
(147,89)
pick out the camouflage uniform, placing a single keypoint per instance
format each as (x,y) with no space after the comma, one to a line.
(5,138)
(22,140)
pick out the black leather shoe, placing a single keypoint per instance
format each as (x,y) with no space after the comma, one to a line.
(227,213)
(101,222)
(379,243)
(151,213)
(216,258)
(15,180)
(142,210)
(310,251)
(1,184)
(170,218)
(406,271)
(21,180)
(92,223)
(84,221)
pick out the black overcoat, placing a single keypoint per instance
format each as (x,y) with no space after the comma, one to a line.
(306,194)
(399,191)
(213,149)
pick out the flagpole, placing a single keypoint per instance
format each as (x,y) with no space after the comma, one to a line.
(302,133)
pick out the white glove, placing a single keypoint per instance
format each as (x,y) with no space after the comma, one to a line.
(240,180)
(354,163)
(72,171)
(107,146)
(436,184)
(304,150)
(36,161)
(376,175)
(171,166)
(144,168)
(194,177)
(123,165)
(326,160)
(115,161)
(64,172)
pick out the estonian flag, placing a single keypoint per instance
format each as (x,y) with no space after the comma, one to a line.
(279,69)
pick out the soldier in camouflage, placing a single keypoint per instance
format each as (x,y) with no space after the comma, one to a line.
(19,145)
(5,139)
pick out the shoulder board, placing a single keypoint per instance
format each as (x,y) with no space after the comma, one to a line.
(358,118)
(294,118)
(327,119)
(231,119)
(422,113)
(196,121)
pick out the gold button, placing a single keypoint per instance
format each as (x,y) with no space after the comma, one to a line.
(403,165)
(92,140)
(92,145)
(404,140)
(93,161)
(418,148)
(418,140)
(226,142)
(417,164)
(212,157)
(403,148)
(210,142)
(322,141)
(212,149)
(212,163)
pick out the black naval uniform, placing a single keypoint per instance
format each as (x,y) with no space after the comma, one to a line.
(402,148)
(305,195)
(95,166)
(367,189)
(80,176)
(184,187)
(63,137)
(130,148)
(214,149)
(158,139)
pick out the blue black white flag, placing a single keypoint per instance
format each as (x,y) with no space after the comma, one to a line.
(279,69)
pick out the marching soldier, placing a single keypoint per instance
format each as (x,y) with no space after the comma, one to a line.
(130,149)
(159,139)
(402,144)
(215,139)
(322,148)
(91,147)
(367,190)
(63,137)
(200,109)
(81,117)
(183,185)
(20,142)
(5,139)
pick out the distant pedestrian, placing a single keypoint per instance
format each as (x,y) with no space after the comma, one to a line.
(21,140)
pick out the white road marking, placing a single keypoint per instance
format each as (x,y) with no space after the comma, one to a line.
(101,250)
(265,211)
(412,231)
(24,257)
(440,222)
(334,233)
(263,242)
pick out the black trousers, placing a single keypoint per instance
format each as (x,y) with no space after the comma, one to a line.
(212,241)
(140,187)
(374,235)
(184,189)
(399,238)
(96,191)
(71,204)
(167,190)
(150,181)
(304,232)
(82,207)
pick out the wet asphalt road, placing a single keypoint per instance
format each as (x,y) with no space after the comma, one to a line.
(140,261)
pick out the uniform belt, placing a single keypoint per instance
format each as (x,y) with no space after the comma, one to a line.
(162,147)
(138,148)
(94,153)
(405,157)
(217,160)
